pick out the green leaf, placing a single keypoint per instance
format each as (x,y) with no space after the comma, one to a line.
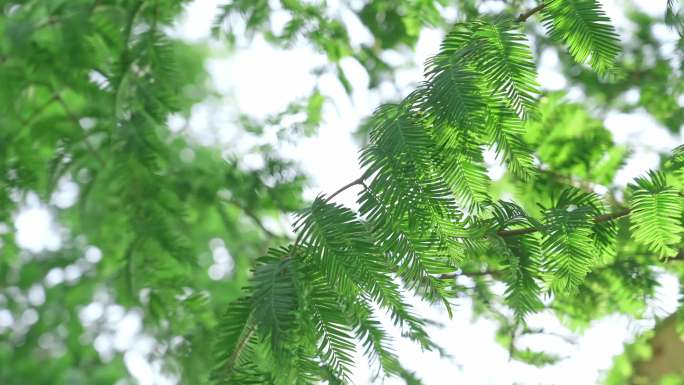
(274,298)
(234,333)
(656,214)
(585,28)
(522,255)
(504,59)
(568,244)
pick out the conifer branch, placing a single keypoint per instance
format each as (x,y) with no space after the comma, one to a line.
(28,121)
(612,216)
(355,182)
(75,120)
(526,15)
(471,274)
(255,218)
(242,344)
(124,59)
(531,230)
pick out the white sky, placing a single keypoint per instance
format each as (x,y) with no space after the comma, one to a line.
(262,80)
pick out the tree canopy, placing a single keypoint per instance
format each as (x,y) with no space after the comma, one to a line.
(91,93)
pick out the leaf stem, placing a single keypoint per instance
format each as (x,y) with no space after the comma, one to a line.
(489,272)
(235,356)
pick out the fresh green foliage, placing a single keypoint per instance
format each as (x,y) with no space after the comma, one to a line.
(568,246)
(656,214)
(425,193)
(522,260)
(88,93)
(587,31)
(673,16)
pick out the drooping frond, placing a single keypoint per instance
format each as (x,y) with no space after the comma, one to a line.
(274,299)
(504,59)
(521,254)
(464,170)
(374,339)
(523,275)
(505,133)
(587,31)
(492,51)
(419,257)
(408,204)
(673,16)
(400,166)
(235,332)
(328,326)
(341,247)
(451,101)
(569,249)
(656,214)
(399,162)
(484,68)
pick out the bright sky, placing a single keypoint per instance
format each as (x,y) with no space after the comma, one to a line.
(261,80)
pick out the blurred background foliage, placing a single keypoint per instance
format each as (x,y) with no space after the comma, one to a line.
(153,225)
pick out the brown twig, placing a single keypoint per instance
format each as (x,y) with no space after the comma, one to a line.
(526,15)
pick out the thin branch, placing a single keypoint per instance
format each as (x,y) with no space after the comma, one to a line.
(489,272)
(612,216)
(516,232)
(598,219)
(532,331)
(526,15)
(128,258)
(244,339)
(124,60)
(38,111)
(255,218)
(75,120)
(568,179)
(358,181)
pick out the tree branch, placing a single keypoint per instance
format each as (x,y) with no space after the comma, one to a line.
(76,121)
(357,181)
(353,183)
(612,216)
(255,218)
(28,121)
(598,219)
(242,343)
(526,15)
(489,272)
